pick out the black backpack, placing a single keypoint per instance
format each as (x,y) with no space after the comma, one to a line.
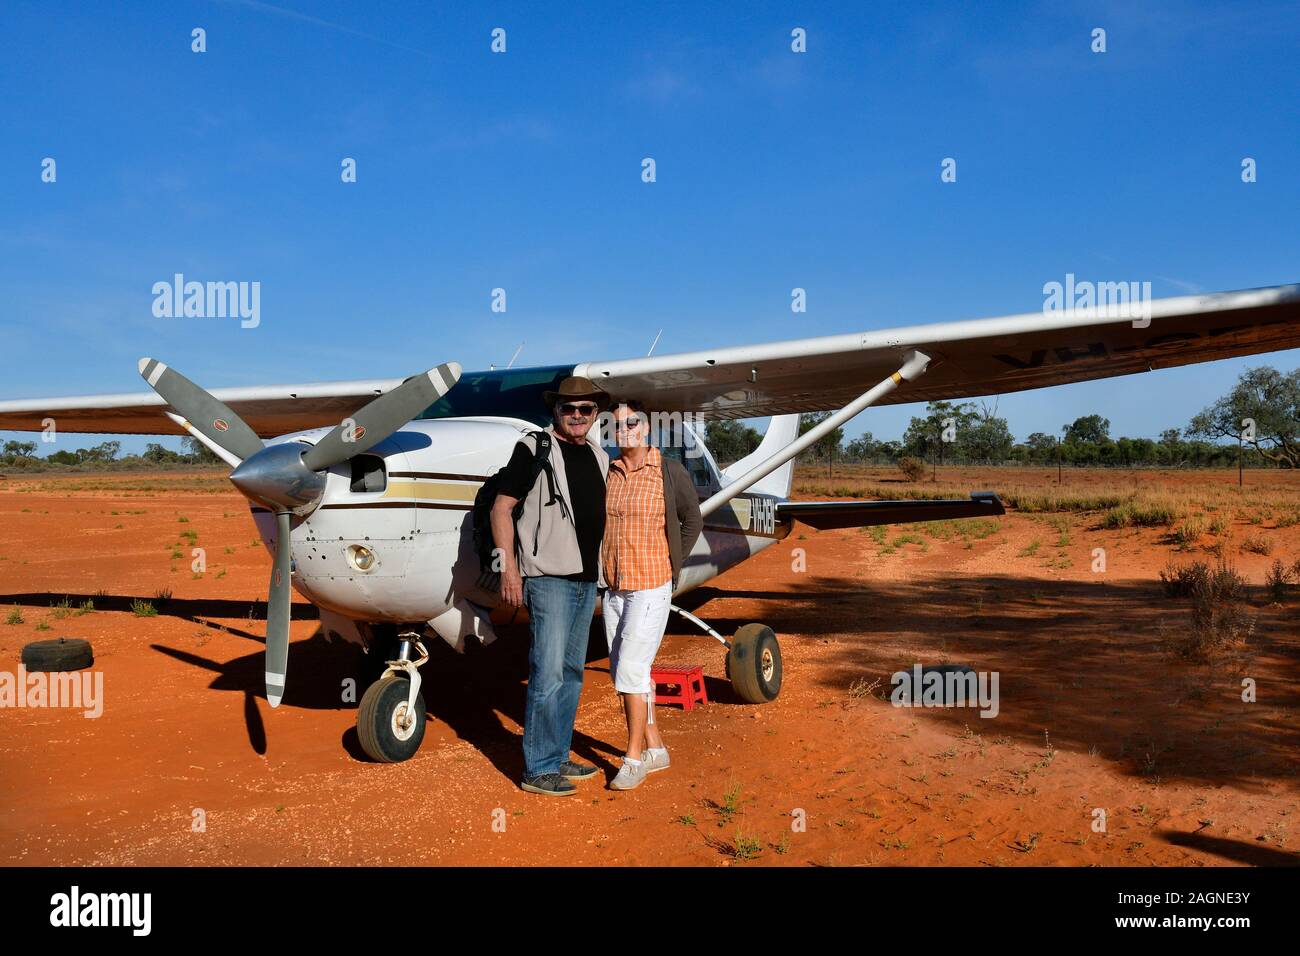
(484,542)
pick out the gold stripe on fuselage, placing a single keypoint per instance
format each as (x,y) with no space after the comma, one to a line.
(431,490)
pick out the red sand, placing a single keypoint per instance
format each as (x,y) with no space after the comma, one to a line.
(1093,714)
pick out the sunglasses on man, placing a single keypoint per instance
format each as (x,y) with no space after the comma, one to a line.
(585,411)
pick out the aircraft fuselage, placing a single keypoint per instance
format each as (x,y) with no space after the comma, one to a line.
(390,541)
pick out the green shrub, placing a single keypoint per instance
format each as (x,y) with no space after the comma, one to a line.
(141,608)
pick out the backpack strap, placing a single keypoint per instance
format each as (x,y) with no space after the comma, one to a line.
(542,463)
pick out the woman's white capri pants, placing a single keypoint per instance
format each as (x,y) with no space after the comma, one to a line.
(634,628)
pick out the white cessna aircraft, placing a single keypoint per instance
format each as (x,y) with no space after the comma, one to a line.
(363,490)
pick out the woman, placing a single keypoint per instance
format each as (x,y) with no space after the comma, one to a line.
(652,520)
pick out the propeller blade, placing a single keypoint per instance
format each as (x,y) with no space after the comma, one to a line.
(383,416)
(213,418)
(277,613)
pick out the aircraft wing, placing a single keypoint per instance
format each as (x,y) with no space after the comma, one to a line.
(268,409)
(863,514)
(969,358)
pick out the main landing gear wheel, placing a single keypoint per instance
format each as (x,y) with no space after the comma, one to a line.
(388,731)
(754,664)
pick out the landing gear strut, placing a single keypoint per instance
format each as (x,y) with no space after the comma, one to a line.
(753,659)
(390,720)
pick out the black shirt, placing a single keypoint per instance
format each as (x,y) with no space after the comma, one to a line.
(586,496)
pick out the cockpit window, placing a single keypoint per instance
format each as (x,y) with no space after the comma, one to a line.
(368,473)
(511,393)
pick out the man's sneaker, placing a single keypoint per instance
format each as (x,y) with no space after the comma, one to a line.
(572,770)
(629,775)
(550,785)
(655,759)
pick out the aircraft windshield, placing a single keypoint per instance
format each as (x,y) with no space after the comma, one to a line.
(514,393)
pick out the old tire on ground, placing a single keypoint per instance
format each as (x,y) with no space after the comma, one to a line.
(60,654)
(754,664)
(380,718)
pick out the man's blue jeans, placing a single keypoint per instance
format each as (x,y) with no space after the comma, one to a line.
(560,614)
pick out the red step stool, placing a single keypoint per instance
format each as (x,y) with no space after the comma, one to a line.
(687,678)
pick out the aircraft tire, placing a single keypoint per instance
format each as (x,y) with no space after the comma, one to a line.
(60,654)
(754,664)
(378,728)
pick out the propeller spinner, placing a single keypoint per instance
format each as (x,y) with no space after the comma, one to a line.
(289,478)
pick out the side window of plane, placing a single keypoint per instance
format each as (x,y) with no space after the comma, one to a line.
(695,465)
(699,470)
(368,473)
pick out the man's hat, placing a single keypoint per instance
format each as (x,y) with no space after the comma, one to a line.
(577,388)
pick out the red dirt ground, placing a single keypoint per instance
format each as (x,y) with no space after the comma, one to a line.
(1093,713)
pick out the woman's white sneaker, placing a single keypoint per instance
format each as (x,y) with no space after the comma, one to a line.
(630,775)
(655,759)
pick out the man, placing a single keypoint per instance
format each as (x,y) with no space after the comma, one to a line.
(550,563)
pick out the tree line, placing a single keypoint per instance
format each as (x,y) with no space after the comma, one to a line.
(22,454)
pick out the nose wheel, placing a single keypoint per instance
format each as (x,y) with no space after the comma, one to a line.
(390,720)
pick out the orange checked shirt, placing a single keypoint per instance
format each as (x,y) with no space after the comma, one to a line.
(635,549)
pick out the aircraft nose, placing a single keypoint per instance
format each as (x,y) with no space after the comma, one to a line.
(278,476)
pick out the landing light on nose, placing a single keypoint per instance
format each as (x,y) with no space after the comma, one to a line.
(361,557)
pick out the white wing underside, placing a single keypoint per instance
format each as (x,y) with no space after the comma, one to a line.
(269,410)
(969,358)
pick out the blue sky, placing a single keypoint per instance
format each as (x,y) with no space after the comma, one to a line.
(522,171)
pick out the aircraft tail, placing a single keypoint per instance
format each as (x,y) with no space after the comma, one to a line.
(781,430)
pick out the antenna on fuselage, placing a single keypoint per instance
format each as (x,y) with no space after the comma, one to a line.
(654,343)
(493,366)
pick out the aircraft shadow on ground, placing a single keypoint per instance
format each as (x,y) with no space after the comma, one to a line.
(480,697)
(321,667)
(1083,661)
(1241,851)
(1080,660)
(194,610)
(472,694)
(469,693)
